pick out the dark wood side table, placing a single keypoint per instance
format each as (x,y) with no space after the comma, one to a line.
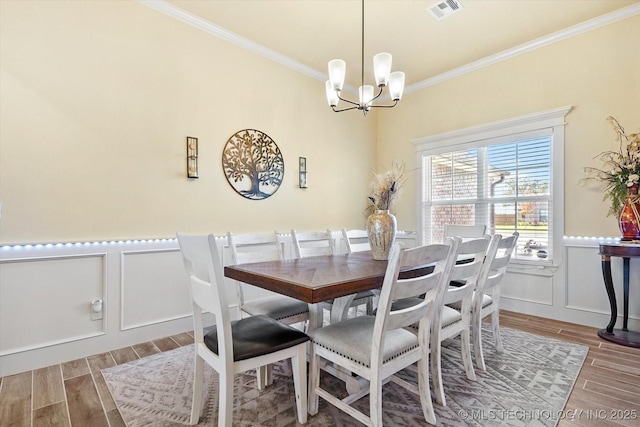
(627,251)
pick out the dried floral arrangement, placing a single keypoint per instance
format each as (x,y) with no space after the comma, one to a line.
(386,187)
(620,170)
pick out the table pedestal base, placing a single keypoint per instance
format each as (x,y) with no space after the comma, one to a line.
(618,336)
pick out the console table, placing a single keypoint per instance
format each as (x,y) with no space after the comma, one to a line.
(627,251)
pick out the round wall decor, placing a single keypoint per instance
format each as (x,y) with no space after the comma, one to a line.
(253,164)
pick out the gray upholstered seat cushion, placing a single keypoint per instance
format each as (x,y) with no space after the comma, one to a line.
(277,307)
(352,339)
(486,301)
(449,316)
(256,336)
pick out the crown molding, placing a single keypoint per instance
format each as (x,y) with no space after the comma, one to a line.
(529,46)
(224,34)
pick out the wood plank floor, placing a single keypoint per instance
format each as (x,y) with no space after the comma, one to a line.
(606,393)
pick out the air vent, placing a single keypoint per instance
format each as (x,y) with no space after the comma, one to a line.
(443,9)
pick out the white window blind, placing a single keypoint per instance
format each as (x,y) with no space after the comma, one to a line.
(502,175)
(506,186)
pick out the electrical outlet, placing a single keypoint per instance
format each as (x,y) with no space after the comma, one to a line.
(96,309)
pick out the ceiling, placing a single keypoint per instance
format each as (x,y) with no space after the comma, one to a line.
(312,32)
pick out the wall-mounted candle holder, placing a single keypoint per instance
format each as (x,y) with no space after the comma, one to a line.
(192,157)
(302,178)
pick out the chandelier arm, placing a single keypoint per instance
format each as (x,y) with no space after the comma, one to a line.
(346,100)
(344,109)
(378,95)
(384,106)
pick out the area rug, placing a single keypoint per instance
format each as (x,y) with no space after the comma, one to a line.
(527,385)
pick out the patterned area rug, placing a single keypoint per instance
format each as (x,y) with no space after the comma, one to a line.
(527,385)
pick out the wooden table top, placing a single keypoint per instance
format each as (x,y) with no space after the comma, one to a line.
(620,249)
(314,279)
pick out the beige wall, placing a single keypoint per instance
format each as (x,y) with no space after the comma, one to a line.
(598,73)
(97,99)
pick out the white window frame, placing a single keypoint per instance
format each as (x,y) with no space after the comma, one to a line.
(476,136)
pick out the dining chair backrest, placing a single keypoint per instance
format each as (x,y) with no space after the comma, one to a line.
(206,286)
(255,247)
(471,255)
(356,240)
(430,282)
(312,243)
(497,260)
(465,231)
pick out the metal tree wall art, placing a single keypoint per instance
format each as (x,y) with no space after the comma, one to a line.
(253,164)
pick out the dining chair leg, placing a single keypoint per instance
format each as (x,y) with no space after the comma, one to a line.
(425,392)
(225,398)
(465,344)
(476,331)
(198,379)
(299,367)
(375,401)
(261,377)
(314,380)
(369,307)
(268,378)
(495,329)
(465,349)
(436,368)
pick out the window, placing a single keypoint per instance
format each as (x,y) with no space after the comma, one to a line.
(507,175)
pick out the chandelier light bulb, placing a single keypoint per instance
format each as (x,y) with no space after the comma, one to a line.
(382,68)
(366,96)
(332,94)
(396,85)
(337,72)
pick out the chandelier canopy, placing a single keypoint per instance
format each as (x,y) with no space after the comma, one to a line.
(383,76)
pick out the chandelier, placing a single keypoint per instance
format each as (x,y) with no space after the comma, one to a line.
(383,76)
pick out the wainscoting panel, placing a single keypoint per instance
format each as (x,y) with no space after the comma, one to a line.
(46,301)
(46,290)
(537,289)
(153,288)
(585,285)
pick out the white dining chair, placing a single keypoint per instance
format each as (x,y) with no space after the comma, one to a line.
(377,347)
(457,322)
(238,346)
(486,298)
(355,240)
(261,247)
(314,243)
(358,241)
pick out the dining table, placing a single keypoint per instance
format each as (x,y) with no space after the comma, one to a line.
(336,278)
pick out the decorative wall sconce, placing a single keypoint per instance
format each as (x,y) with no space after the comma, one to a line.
(192,157)
(303,172)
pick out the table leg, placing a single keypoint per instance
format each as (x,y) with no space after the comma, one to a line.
(608,284)
(625,318)
(315,317)
(340,308)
